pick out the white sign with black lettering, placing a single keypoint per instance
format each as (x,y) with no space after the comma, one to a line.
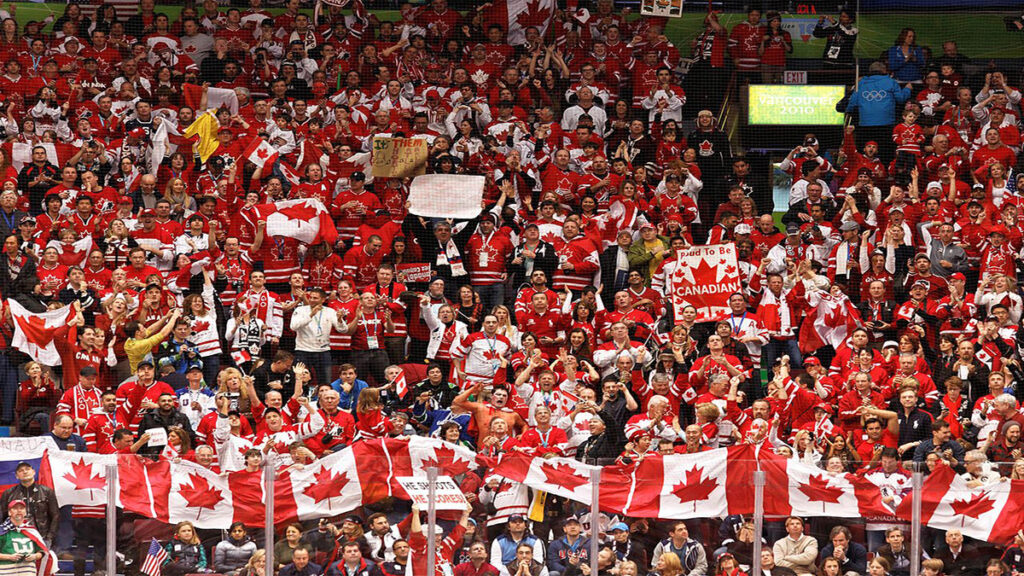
(448,496)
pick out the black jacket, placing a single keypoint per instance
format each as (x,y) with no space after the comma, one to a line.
(546,260)
(594,448)
(41,503)
(14,283)
(608,260)
(154,419)
(429,245)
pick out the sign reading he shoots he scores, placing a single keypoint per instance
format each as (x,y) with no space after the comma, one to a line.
(704,277)
(772,104)
(447,494)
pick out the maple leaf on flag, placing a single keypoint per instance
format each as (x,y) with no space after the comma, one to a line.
(694,488)
(444,458)
(300,211)
(817,489)
(84,478)
(262,153)
(834,316)
(974,508)
(534,15)
(199,494)
(563,475)
(328,485)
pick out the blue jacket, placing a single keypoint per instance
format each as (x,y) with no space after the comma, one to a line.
(348,399)
(905,69)
(856,558)
(877,97)
(559,550)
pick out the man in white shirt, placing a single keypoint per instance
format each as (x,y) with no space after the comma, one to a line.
(312,324)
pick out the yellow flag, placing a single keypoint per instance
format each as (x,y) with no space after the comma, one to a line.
(205,127)
(536,512)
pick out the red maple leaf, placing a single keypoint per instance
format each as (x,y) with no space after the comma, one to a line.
(706,148)
(974,508)
(534,15)
(200,326)
(817,489)
(199,494)
(328,485)
(694,488)
(444,458)
(299,211)
(262,153)
(84,478)
(834,316)
(563,475)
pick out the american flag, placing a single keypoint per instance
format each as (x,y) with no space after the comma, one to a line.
(154,559)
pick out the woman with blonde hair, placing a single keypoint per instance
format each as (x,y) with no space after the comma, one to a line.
(668,565)
(182,205)
(37,398)
(999,289)
(230,382)
(505,326)
(257,565)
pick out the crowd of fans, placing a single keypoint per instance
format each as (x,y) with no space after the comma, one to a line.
(543,326)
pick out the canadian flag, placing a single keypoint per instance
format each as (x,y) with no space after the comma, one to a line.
(241,356)
(810,491)
(260,153)
(330,486)
(835,317)
(290,174)
(559,476)
(518,15)
(33,332)
(199,496)
(993,513)
(216,98)
(77,478)
(305,219)
(401,386)
(689,485)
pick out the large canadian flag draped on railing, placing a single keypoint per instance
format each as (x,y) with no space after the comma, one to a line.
(360,474)
(78,478)
(993,513)
(677,486)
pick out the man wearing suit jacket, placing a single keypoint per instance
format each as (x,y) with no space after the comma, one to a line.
(615,266)
(877,313)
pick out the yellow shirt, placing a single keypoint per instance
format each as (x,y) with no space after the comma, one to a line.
(136,349)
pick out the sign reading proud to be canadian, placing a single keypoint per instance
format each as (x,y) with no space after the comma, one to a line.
(704,277)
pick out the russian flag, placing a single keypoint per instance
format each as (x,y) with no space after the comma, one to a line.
(16,450)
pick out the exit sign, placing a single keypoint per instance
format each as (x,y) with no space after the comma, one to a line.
(794,77)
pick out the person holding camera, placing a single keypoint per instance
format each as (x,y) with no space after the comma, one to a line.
(21,545)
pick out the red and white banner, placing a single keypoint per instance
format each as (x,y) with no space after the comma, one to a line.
(216,98)
(33,332)
(704,277)
(993,513)
(77,478)
(831,323)
(798,489)
(260,153)
(516,16)
(305,219)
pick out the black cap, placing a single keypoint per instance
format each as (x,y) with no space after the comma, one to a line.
(193,367)
(217,161)
(88,371)
(357,175)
